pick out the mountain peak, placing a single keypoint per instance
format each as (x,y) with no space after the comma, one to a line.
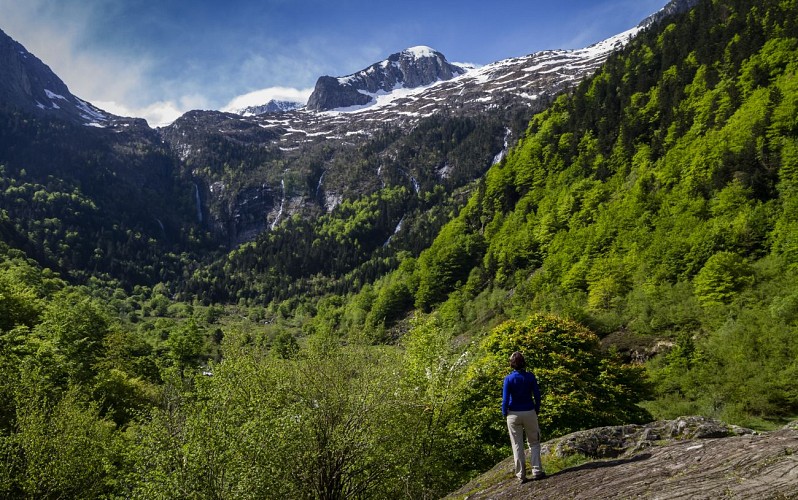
(273,106)
(420,51)
(414,67)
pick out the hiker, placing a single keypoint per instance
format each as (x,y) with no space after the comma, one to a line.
(520,406)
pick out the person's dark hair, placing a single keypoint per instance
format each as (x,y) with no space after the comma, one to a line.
(517,361)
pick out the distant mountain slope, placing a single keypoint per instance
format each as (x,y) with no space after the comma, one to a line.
(85,191)
(428,125)
(273,106)
(432,139)
(395,94)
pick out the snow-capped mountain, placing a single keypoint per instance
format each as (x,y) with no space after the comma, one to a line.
(413,118)
(420,82)
(371,112)
(412,68)
(672,8)
(333,122)
(273,106)
(352,105)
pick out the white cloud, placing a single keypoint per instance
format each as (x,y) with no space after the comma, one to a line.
(157,114)
(260,97)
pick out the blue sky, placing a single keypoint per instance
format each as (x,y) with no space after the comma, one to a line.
(159,58)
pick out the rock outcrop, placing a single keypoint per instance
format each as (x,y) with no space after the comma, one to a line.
(623,440)
(330,93)
(690,457)
(273,106)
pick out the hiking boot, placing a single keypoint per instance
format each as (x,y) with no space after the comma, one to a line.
(523,480)
(538,475)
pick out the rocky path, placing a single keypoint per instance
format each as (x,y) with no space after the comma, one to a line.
(762,466)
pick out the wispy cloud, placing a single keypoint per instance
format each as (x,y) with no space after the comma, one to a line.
(263,96)
(157,114)
(161,87)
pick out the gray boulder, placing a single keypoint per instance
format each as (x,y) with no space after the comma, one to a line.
(622,440)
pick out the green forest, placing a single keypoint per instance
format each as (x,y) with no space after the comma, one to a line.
(639,244)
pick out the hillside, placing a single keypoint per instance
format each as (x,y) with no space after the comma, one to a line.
(655,205)
(89,194)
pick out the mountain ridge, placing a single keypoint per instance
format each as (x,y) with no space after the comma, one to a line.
(250,173)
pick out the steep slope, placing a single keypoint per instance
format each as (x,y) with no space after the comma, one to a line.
(657,205)
(92,192)
(28,85)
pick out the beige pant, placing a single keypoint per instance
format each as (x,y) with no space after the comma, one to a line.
(519,422)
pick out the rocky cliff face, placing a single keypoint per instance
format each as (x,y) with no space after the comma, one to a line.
(29,85)
(690,457)
(273,106)
(330,93)
(411,68)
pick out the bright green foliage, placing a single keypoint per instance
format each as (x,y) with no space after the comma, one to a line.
(331,423)
(721,278)
(76,326)
(651,200)
(185,343)
(581,385)
(432,371)
(446,263)
(60,448)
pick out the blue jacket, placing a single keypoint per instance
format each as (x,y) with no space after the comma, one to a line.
(519,389)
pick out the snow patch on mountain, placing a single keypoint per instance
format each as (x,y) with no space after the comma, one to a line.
(420,51)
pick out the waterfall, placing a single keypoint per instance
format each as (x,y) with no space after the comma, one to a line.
(318,186)
(499,157)
(416,186)
(198,202)
(160,224)
(282,203)
(379,176)
(413,181)
(398,227)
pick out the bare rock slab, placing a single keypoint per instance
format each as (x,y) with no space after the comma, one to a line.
(688,460)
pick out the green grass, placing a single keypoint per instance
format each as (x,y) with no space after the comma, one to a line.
(553,464)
